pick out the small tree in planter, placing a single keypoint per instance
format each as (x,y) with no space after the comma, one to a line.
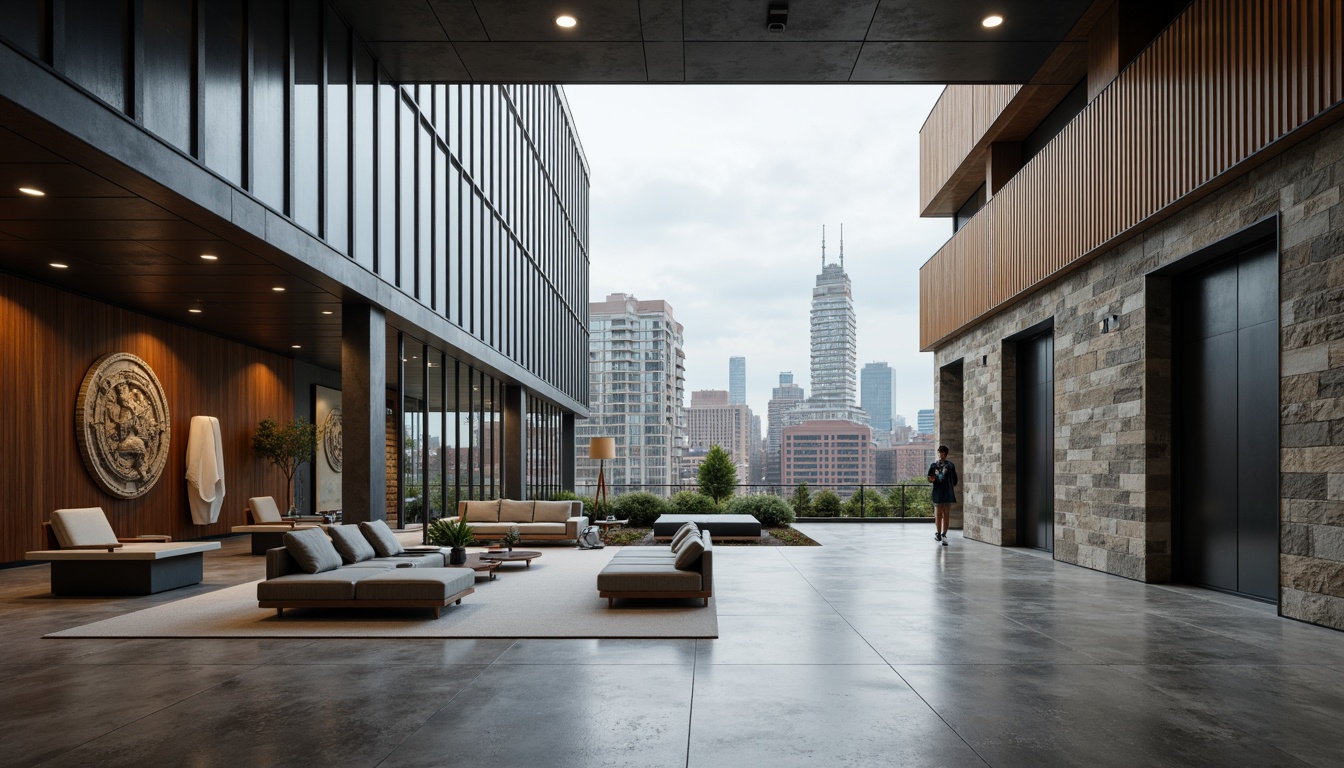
(286,447)
(718,474)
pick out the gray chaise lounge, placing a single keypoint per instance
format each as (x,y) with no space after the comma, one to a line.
(87,559)
(652,572)
(266,525)
(310,572)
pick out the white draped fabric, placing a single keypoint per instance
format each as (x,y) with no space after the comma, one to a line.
(205,470)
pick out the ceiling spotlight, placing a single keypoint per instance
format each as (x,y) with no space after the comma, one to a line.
(566,21)
(35,192)
(209,257)
(326,311)
(279,289)
(195,310)
(59,265)
(992,21)
(296,346)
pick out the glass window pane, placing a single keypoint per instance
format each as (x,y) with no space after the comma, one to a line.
(440,257)
(364,153)
(270,62)
(170,34)
(387,181)
(307,131)
(222,80)
(424,284)
(406,196)
(95,53)
(337,232)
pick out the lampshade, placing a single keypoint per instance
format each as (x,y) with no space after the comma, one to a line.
(602,448)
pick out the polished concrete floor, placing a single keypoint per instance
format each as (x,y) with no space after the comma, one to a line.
(880,648)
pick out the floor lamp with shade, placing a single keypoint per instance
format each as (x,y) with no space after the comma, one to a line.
(601,448)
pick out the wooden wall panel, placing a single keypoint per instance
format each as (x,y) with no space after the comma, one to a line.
(48,340)
(961,117)
(1226,81)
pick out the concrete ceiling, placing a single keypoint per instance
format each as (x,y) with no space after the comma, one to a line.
(712,41)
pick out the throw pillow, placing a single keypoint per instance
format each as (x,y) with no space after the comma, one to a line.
(688,554)
(552,511)
(686,530)
(312,550)
(380,536)
(352,545)
(515,511)
(482,511)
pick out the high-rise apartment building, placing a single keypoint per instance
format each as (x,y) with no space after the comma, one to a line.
(833,455)
(713,420)
(924,421)
(737,380)
(877,387)
(637,375)
(783,399)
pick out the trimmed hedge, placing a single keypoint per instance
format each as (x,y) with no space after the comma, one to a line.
(640,508)
(770,511)
(693,503)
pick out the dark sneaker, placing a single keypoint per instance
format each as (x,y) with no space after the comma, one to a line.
(937,536)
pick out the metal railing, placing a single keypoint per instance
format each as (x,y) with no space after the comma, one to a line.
(860,500)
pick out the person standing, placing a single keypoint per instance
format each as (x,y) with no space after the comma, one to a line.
(943,475)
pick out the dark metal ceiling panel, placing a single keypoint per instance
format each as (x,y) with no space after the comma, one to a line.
(427,62)
(76,208)
(940,63)
(770,62)
(744,20)
(534,20)
(459,19)
(666,62)
(16,149)
(661,20)
(57,180)
(538,62)
(175,229)
(948,20)
(392,19)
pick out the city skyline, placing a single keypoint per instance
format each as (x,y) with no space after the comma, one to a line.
(683,183)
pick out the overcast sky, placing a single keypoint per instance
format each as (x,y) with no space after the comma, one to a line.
(713,199)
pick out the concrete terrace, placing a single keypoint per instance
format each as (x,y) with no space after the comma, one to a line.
(880,648)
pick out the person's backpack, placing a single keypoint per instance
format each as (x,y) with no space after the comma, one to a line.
(591,538)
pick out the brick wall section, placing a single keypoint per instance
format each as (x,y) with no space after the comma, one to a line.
(392,464)
(1112,391)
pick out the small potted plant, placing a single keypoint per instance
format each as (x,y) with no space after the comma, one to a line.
(511,537)
(455,533)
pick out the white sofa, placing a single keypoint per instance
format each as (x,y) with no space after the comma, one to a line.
(87,558)
(535,520)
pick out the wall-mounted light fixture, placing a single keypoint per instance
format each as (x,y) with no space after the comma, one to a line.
(777,17)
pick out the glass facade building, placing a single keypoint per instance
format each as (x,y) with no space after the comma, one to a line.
(457,212)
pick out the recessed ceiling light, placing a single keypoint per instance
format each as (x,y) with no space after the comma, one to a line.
(326,311)
(296,346)
(209,257)
(992,21)
(35,192)
(279,289)
(566,21)
(59,265)
(415,357)
(195,311)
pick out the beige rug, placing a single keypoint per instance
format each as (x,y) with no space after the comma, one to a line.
(556,597)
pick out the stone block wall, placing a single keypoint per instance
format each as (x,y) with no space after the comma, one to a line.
(1113,390)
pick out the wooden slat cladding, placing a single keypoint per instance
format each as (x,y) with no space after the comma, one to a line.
(960,118)
(48,340)
(1224,82)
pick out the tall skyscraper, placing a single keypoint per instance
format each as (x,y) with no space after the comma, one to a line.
(783,399)
(877,388)
(737,380)
(713,420)
(834,348)
(637,372)
(924,421)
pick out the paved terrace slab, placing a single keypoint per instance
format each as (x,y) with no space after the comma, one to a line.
(880,648)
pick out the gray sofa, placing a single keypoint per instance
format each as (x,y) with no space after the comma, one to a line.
(306,574)
(652,572)
(535,520)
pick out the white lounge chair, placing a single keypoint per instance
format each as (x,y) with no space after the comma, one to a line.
(267,527)
(87,557)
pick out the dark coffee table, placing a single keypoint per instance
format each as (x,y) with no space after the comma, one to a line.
(517,555)
(483,568)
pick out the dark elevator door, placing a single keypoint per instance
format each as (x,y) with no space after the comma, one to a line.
(1036,441)
(1226,458)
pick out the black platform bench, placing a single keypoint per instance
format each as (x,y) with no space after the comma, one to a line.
(719,526)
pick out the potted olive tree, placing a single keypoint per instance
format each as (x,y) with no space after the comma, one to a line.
(452,532)
(287,447)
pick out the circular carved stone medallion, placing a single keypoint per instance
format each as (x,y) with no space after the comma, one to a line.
(331,439)
(122,425)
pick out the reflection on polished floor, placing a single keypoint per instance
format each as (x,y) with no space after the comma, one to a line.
(880,648)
